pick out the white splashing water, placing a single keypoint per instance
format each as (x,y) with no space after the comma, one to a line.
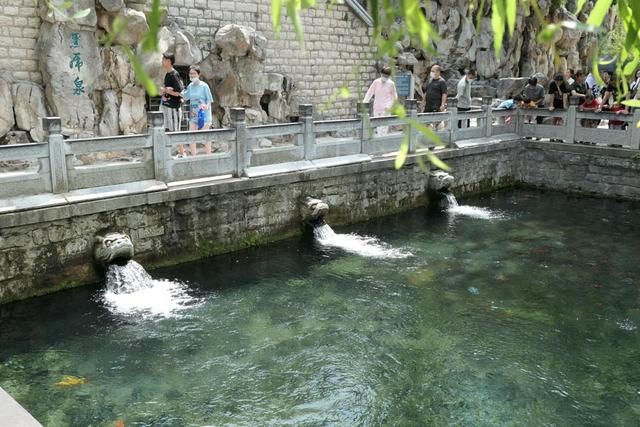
(360,245)
(627,325)
(475,212)
(131,290)
(471,211)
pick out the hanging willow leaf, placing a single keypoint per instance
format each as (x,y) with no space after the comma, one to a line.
(150,40)
(580,5)
(141,76)
(437,162)
(293,11)
(598,13)
(81,14)
(276,12)
(497,24)
(403,152)
(510,9)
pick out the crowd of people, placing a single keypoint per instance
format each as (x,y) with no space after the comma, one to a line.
(563,86)
(384,94)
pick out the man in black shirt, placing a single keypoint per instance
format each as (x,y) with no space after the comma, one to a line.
(579,87)
(435,92)
(171,104)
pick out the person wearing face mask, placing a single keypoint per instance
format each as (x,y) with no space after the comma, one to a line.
(384,94)
(435,92)
(199,96)
(464,93)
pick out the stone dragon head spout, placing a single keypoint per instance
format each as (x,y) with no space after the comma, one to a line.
(112,247)
(440,181)
(314,210)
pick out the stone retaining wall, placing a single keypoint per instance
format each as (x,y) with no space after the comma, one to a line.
(19,26)
(44,250)
(604,172)
(338,44)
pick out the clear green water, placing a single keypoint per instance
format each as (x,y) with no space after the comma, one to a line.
(527,319)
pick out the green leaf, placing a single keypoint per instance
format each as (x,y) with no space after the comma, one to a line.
(150,40)
(630,68)
(497,24)
(575,25)
(511,14)
(580,5)
(397,109)
(276,12)
(598,13)
(402,152)
(345,92)
(547,33)
(293,6)
(632,103)
(421,163)
(81,14)
(437,162)
(141,76)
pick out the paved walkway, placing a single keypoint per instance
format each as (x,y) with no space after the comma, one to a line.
(14,415)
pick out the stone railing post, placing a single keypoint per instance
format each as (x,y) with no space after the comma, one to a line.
(488,116)
(570,126)
(57,154)
(309,136)
(518,118)
(238,119)
(634,136)
(364,109)
(160,151)
(452,107)
(411,106)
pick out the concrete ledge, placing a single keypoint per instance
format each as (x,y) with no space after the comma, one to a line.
(278,168)
(342,160)
(488,140)
(14,415)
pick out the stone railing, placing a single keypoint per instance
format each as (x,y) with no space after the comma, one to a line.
(76,166)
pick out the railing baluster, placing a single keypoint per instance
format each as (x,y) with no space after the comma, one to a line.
(160,151)
(306,115)
(57,154)
(571,124)
(488,116)
(634,136)
(453,122)
(365,130)
(411,106)
(243,159)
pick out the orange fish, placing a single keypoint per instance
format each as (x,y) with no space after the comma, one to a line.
(119,423)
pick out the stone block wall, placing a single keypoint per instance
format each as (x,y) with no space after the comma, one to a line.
(338,44)
(46,250)
(609,172)
(338,47)
(19,26)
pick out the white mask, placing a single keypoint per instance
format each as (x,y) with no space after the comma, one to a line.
(194,79)
(432,75)
(384,79)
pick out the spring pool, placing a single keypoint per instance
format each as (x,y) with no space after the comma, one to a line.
(518,308)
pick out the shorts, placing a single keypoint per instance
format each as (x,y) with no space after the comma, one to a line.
(172,118)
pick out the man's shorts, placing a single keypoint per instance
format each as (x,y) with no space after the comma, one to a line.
(172,118)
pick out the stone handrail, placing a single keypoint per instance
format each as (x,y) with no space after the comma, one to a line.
(55,169)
